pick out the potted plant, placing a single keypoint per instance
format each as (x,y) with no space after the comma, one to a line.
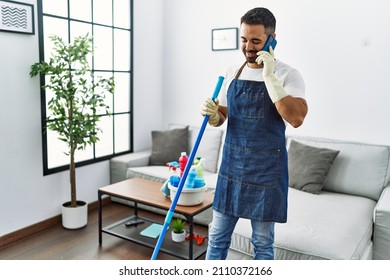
(72,110)
(178,231)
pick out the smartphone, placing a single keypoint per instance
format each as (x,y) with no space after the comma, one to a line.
(271,41)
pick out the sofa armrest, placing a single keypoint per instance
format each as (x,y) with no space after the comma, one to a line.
(382,227)
(119,164)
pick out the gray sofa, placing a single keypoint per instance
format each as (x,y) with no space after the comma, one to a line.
(349,219)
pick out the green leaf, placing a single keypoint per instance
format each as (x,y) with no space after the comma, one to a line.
(77,94)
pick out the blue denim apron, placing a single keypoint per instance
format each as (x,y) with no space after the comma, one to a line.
(253,177)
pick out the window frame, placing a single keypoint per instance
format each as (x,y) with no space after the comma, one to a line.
(41,38)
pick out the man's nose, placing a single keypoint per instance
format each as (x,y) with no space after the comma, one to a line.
(249,46)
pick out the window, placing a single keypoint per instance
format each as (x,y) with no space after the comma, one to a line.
(110,23)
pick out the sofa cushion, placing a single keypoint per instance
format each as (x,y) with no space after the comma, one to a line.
(359,169)
(209,146)
(326,226)
(168,145)
(151,172)
(381,237)
(308,166)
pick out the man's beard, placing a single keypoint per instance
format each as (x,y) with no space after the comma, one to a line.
(251,59)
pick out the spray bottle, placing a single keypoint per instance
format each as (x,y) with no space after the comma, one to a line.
(183,162)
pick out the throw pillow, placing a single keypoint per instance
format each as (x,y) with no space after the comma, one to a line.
(168,145)
(209,146)
(308,166)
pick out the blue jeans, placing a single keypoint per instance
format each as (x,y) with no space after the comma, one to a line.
(220,235)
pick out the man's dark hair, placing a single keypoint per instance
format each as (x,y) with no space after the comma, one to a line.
(261,16)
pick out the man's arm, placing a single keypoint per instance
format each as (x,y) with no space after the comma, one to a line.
(292,109)
(217,114)
(223,113)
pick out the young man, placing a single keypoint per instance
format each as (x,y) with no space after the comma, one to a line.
(258,99)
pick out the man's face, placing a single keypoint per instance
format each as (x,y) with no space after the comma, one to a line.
(253,39)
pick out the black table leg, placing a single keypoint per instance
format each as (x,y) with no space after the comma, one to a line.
(100,216)
(191,243)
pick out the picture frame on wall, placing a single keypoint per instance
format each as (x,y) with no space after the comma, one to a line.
(223,39)
(17,17)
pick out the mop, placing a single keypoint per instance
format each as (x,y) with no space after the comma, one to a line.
(171,210)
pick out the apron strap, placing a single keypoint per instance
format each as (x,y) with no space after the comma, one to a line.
(240,70)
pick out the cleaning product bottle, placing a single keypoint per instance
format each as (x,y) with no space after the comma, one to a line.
(174,169)
(183,162)
(190,181)
(199,182)
(199,163)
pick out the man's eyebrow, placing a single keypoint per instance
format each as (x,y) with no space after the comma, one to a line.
(254,39)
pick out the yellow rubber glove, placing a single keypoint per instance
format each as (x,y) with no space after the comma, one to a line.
(274,86)
(210,108)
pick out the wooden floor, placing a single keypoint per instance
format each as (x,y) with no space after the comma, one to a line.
(58,243)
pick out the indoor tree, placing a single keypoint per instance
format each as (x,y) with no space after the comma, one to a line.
(78,97)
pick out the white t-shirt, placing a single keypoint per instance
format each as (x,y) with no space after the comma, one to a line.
(292,80)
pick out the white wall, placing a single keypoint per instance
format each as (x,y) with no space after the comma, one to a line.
(27,196)
(340,47)
(148,69)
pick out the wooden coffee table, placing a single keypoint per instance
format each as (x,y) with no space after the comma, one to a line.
(148,192)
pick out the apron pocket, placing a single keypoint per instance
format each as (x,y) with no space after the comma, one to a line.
(262,168)
(253,105)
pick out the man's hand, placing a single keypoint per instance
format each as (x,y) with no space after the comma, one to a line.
(268,61)
(274,86)
(210,108)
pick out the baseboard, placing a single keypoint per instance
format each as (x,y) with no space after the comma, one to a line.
(29,230)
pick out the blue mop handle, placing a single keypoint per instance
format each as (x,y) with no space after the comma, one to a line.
(170,213)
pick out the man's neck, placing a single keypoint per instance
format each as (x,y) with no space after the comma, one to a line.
(254,65)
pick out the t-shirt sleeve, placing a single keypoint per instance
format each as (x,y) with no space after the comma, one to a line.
(222,97)
(294,84)
(228,75)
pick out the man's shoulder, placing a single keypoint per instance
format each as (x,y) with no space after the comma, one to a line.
(282,66)
(232,70)
(283,70)
(292,79)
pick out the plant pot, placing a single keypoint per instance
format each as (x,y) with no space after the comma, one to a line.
(178,237)
(74,217)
